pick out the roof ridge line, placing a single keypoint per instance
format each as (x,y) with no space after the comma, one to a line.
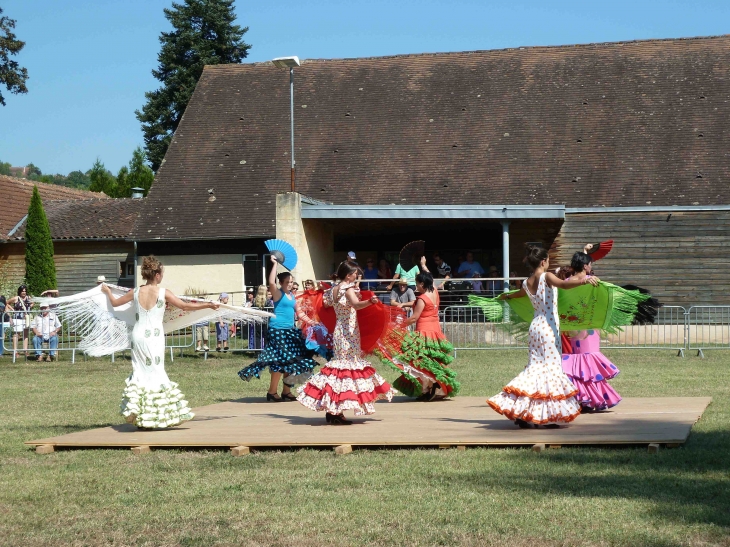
(513,48)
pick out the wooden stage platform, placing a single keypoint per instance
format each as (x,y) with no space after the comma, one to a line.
(461,422)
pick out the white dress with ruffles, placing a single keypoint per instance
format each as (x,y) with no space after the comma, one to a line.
(150,399)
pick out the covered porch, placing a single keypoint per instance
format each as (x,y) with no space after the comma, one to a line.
(323,233)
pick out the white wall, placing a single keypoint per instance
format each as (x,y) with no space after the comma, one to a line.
(210,273)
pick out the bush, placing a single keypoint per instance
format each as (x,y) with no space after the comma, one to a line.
(40,270)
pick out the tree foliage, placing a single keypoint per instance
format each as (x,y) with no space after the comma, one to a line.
(203,33)
(140,175)
(102,180)
(40,270)
(12,75)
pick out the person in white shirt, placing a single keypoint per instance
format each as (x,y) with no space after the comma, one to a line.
(46,327)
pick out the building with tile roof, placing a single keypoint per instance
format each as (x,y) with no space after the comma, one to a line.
(483,150)
(90,234)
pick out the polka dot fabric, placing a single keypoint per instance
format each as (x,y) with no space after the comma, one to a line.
(347,382)
(589,369)
(542,393)
(285,351)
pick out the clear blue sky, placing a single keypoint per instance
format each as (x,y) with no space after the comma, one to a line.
(89,60)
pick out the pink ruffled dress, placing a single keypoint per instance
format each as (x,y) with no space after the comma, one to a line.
(589,369)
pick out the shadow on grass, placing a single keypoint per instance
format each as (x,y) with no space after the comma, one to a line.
(689,484)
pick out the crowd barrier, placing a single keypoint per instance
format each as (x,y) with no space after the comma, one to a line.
(697,328)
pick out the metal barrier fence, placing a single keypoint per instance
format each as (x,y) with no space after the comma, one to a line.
(676,328)
(708,327)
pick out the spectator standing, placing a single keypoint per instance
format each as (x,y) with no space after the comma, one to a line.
(21,317)
(256,332)
(494,288)
(45,328)
(221,327)
(309,285)
(476,285)
(202,332)
(370,272)
(409,276)
(469,267)
(295,287)
(443,270)
(403,296)
(4,324)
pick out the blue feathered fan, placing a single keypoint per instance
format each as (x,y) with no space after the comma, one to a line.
(283,252)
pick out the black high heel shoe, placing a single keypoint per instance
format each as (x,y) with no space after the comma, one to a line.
(337,419)
(288,397)
(275,397)
(522,424)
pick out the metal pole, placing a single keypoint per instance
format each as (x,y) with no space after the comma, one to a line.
(291,89)
(505,254)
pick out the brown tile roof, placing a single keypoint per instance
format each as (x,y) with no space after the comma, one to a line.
(619,124)
(16,195)
(89,219)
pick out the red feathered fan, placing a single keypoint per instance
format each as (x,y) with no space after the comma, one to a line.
(598,250)
(373,320)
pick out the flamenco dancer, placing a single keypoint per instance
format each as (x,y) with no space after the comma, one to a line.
(584,363)
(150,399)
(542,394)
(348,381)
(423,356)
(285,353)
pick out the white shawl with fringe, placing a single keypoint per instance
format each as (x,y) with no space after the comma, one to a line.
(104,330)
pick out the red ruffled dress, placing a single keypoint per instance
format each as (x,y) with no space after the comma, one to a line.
(347,382)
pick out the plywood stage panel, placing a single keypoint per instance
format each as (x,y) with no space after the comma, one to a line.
(404,422)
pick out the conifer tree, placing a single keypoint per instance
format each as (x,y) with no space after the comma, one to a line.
(203,34)
(40,270)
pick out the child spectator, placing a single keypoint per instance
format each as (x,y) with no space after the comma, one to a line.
(221,327)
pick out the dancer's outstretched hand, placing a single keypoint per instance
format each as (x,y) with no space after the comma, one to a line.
(593,280)
(273,259)
(214,305)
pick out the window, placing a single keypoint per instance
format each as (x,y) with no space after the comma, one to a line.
(126,269)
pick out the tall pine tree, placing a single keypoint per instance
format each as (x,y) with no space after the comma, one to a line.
(40,270)
(203,34)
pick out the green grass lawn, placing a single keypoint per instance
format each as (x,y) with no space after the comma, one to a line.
(483,496)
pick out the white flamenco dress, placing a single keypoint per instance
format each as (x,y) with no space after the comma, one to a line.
(150,399)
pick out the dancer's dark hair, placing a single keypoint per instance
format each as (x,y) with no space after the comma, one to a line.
(426,279)
(282,277)
(345,268)
(534,255)
(579,261)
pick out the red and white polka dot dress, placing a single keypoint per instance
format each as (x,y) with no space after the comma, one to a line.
(542,393)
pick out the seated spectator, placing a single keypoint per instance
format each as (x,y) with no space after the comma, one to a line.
(403,296)
(370,272)
(384,271)
(469,267)
(46,327)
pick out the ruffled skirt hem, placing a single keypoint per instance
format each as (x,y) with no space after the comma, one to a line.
(336,390)
(535,411)
(154,408)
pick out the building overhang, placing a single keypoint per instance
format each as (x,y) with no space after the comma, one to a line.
(324,211)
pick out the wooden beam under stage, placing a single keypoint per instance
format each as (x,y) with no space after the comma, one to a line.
(462,421)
